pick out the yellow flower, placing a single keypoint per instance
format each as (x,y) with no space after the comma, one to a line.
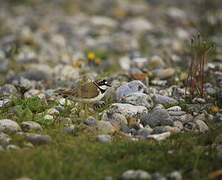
(91,56)
(215,108)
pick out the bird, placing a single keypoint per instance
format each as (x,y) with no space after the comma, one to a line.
(86,93)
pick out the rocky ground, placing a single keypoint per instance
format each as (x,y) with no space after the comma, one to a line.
(145,127)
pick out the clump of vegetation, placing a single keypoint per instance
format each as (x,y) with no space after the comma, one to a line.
(200,49)
(95,56)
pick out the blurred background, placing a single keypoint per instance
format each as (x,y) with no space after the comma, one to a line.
(62,31)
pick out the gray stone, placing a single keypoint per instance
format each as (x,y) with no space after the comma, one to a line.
(12,147)
(178,124)
(103,21)
(183,118)
(69,129)
(4,139)
(144,132)
(201,126)
(65,120)
(194,107)
(165,100)
(9,126)
(105,127)
(23,178)
(139,99)
(29,126)
(108,178)
(24,84)
(159,137)
(116,119)
(176,113)
(91,121)
(211,91)
(201,117)
(156,62)
(158,176)
(137,25)
(162,129)
(127,110)
(35,75)
(174,108)
(38,139)
(136,174)
(157,117)
(8,89)
(190,126)
(164,73)
(175,175)
(129,88)
(104,138)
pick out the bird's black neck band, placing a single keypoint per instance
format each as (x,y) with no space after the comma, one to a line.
(101,90)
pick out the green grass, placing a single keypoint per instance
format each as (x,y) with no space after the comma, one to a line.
(82,157)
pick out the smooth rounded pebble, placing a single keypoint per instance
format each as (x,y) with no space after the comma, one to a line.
(28,126)
(136,174)
(38,139)
(9,126)
(104,138)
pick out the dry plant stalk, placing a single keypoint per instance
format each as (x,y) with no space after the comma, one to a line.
(199,51)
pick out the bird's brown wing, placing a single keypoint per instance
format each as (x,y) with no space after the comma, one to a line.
(88,90)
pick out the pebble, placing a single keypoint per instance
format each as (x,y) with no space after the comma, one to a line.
(139,99)
(9,126)
(38,139)
(159,137)
(127,110)
(105,127)
(156,82)
(4,139)
(136,174)
(116,119)
(48,117)
(174,108)
(12,147)
(23,178)
(69,129)
(175,175)
(129,88)
(104,138)
(164,73)
(137,25)
(144,132)
(8,89)
(91,121)
(201,126)
(162,129)
(178,124)
(156,62)
(157,117)
(165,100)
(35,75)
(176,113)
(29,126)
